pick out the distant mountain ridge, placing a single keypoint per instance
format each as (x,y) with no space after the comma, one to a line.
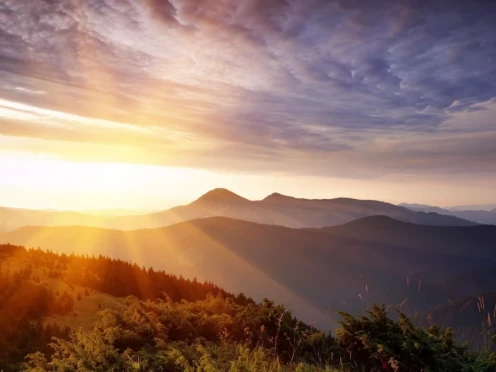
(487,217)
(329,212)
(278,209)
(275,209)
(473,207)
(13,218)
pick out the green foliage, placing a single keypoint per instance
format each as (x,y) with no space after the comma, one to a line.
(473,319)
(224,357)
(215,334)
(376,341)
(208,336)
(188,326)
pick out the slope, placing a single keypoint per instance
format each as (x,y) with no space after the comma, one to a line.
(306,269)
(477,241)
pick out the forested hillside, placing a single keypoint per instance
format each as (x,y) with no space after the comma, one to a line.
(160,322)
(30,297)
(36,285)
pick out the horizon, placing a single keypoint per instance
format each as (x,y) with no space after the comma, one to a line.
(124,211)
(169,100)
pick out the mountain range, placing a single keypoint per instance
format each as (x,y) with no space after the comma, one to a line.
(313,255)
(487,217)
(311,270)
(275,209)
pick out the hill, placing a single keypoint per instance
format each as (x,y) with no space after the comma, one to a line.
(371,260)
(276,209)
(178,325)
(43,294)
(476,241)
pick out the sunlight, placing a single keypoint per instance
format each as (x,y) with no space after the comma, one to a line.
(88,185)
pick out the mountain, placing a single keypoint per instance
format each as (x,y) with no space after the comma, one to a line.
(276,209)
(480,216)
(473,207)
(426,208)
(487,217)
(222,196)
(327,212)
(217,202)
(348,267)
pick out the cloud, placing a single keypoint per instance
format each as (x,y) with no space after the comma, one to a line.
(288,82)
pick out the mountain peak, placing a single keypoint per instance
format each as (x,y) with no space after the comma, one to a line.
(221,195)
(276,196)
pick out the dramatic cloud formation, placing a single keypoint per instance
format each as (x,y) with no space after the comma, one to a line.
(342,88)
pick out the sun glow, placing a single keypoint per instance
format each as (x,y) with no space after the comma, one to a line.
(44,181)
(62,184)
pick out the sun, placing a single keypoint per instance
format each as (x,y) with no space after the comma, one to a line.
(40,181)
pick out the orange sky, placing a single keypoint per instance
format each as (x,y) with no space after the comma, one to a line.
(46,182)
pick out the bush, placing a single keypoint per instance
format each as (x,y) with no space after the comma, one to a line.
(376,341)
(208,336)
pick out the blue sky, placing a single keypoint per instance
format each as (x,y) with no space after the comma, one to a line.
(378,91)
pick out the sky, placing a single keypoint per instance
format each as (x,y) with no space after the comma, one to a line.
(145,104)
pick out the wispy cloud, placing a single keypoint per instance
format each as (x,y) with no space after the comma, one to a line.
(369,87)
